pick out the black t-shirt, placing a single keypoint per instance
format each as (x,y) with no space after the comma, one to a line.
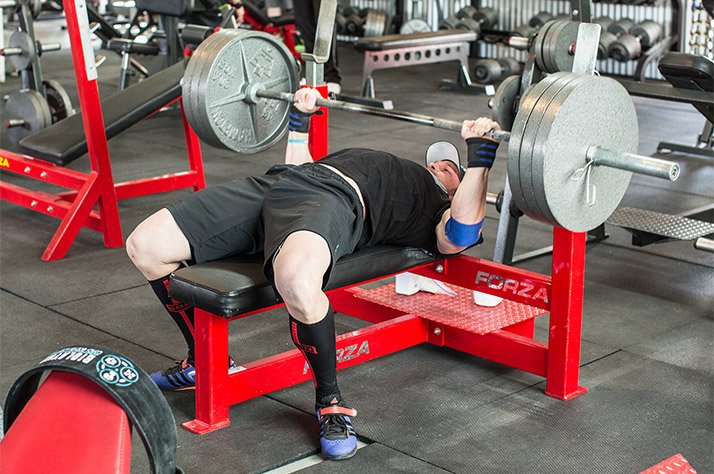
(404,203)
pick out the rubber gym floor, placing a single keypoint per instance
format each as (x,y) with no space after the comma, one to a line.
(647,356)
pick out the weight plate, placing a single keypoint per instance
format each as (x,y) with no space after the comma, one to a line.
(414,26)
(29,106)
(20,39)
(525,164)
(552,95)
(548,44)
(216,79)
(58,100)
(539,42)
(503,108)
(560,57)
(528,100)
(598,112)
(193,82)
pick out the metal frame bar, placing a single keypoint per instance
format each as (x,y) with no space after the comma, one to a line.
(76,208)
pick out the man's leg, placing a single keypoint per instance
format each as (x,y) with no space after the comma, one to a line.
(157,247)
(299,268)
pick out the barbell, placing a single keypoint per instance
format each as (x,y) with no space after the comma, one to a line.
(571,147)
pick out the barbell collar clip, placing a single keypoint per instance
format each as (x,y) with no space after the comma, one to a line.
(646,165)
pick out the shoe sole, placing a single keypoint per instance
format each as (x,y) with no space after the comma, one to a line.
(340,458)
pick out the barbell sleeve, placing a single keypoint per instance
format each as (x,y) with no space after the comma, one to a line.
(595,154)
(631,162)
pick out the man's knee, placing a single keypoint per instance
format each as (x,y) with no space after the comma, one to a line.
(157,245)
(297,286)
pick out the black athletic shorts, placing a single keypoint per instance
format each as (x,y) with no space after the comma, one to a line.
(231,218)
(312,197)
(225,220)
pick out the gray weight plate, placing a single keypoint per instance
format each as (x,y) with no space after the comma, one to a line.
(20,39)
(599,112)
(414,25)
(502,110)
(560,58)
(58,100)
(216,79)
(536,126)
(549,45)
(528,100)
(194,84)
(30,106)
(539,43)
(525,165)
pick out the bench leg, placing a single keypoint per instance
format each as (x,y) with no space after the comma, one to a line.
(566,313)
(78,212)
(211,335)
(368,87)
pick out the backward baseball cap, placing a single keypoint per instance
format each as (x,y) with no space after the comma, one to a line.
(443,150)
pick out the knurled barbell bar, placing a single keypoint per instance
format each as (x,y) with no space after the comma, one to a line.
(570,153)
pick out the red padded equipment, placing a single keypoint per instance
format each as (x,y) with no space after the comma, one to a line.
(69,425)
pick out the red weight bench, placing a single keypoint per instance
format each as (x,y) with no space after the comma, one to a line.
(49,151)
(236,288)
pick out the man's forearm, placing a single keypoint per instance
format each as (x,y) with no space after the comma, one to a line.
(297,151)
(469,203)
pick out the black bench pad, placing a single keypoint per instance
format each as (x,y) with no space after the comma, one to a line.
(688,71)
(64,141)
(383,43)
(237,285)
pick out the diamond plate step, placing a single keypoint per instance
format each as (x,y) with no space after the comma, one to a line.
(666,225)
(458,311)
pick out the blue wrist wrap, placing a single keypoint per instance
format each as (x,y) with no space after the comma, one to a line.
(462,235)
(481,152)
(298,121)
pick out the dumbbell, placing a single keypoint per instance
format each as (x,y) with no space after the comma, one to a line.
(540,19)
(527,30)
(449,23)
(474,20)
(615,29)
(354,25)
(488,71)
(606,38)
(641,36)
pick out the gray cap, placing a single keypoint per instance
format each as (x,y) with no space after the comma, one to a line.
(439,151)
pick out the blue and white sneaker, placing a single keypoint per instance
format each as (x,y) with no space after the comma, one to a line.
(182,376)
(338,439)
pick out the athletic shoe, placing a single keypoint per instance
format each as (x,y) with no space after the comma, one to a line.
(181,376)
(337,437)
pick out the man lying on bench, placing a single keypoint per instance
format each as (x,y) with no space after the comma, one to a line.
(303,216)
